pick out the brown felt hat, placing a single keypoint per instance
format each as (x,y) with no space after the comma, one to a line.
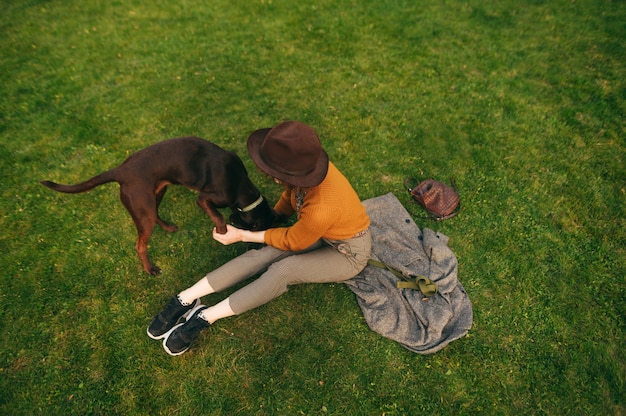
(290,152)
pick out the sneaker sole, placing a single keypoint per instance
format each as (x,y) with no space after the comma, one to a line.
(197,305)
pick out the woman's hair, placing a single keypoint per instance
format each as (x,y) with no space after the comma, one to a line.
(291,187)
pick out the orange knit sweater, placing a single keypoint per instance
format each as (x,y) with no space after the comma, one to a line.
(330,210)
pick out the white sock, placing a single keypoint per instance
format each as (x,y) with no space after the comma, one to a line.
(219,311)
(201,288)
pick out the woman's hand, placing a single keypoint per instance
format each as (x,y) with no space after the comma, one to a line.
(235,235)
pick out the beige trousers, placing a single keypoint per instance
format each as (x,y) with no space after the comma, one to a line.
(325,261)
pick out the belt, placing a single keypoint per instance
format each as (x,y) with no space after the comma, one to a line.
(361,233)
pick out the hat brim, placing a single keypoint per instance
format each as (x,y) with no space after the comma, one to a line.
(314,178)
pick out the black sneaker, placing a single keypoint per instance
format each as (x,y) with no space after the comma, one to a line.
(180,338)
(170,316)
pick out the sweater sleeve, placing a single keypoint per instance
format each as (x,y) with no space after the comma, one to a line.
(310,228)
(283,206)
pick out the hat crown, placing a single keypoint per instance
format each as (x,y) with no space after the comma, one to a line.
(290,152)
(292,148)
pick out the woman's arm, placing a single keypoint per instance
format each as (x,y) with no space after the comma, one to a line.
(235,235)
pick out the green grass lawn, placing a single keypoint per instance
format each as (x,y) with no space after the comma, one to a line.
(523,103)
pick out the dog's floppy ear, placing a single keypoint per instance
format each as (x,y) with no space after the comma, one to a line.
(261,218)
(279,219)
(235,219)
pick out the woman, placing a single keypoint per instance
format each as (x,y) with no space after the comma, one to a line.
(329,242)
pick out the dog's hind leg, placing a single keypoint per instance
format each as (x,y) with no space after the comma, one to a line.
(169,227)
(142,209)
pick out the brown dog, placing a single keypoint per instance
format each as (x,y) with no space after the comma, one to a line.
(218,175)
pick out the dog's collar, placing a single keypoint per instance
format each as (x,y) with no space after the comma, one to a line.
(252,205)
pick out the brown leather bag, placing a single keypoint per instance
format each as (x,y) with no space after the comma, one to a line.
(440,200)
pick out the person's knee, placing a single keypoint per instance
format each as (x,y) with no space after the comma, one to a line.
(282,274)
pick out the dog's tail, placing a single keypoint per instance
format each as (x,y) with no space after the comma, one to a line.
(85,186)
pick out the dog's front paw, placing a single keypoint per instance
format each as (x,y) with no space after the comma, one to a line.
(221,228)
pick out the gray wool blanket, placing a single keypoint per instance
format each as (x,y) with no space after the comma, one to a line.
(422,325)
